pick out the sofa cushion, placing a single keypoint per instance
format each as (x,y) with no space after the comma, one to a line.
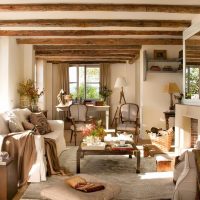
(3,125)
(28,126)
(61,191)
(22,114)
(40,121)
(15,125)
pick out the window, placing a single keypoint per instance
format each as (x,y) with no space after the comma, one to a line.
(84,81)
(192,82)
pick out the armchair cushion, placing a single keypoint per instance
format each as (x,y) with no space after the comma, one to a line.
(79,127)
(126,127)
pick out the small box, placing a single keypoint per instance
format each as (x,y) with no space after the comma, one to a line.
(99,103)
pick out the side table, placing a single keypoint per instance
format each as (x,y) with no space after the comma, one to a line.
(9,179)
(168,114)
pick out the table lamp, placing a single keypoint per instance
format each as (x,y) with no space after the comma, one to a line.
(171,88)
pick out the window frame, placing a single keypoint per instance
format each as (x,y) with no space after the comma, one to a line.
(188,80)
(85,78)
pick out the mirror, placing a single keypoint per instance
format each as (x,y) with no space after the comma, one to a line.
(192,67)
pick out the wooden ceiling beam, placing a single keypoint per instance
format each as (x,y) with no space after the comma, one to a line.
(193,9)
(108,57)
(100,41)
(94,23)
(87,48)
(86,62)
(86,53)
(84,32)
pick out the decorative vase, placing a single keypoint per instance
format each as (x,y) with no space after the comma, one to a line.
(24,101)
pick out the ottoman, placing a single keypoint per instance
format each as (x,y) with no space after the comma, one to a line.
(62,191)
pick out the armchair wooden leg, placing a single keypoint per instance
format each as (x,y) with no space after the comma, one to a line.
(71,136)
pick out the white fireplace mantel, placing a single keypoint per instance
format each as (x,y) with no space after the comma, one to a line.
(184,113)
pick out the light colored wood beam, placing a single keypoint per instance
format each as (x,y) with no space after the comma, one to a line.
(94,23)
(100,41)
(193,9)
(84,32)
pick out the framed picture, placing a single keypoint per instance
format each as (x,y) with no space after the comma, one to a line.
(160,54)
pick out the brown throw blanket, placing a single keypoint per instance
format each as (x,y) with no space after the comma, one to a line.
(53,166)
(21,146)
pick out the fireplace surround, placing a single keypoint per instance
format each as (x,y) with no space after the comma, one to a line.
(185,114)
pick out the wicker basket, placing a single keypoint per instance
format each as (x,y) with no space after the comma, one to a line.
(164,141)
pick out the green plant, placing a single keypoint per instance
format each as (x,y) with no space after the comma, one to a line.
(105,92)
(27,88)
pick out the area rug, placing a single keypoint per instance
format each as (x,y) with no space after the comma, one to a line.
(148,185)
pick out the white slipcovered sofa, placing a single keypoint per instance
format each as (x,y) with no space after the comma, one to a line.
(38,170)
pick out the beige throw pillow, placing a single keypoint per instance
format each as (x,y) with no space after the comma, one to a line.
(41,123)
(15,125)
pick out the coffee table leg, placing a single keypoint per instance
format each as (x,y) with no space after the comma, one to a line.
(130,156)
(138,161)
(78,157)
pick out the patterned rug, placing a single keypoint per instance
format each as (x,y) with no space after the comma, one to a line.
(148,185)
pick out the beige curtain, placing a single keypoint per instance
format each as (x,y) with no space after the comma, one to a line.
(60,81)
(105,77)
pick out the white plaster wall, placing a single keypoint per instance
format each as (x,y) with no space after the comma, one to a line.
(154,101)
(11,72)
(29,62)
(4,71)
(16,71)
(129,72)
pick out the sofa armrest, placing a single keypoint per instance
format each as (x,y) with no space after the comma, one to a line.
(56,124)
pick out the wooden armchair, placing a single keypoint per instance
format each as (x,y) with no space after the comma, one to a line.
(128,120)
(79,119)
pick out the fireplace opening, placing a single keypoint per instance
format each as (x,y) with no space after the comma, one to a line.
(194,131)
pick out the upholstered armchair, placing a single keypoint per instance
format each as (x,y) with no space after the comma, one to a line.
(128,120)
(79,119)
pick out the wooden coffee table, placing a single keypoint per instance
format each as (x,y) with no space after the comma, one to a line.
(108,151)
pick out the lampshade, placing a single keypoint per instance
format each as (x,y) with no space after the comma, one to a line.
(171,88)
(120,82)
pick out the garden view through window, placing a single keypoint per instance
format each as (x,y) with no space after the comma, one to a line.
(192,82)
(84,81)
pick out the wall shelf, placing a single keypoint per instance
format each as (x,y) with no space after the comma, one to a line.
(148,62)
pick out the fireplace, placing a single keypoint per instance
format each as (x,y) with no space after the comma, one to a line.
(187,126)
(194,131)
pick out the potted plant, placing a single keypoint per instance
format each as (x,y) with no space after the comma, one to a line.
(105,93)
(28,91)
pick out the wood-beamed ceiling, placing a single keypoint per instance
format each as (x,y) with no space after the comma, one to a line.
(114,38)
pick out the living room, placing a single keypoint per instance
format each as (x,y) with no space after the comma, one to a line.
(99,56)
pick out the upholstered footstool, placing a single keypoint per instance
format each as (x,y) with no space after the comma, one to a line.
(62,191)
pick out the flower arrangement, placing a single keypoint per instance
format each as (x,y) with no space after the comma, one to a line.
(95,129)
(27,88)
(105,92)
